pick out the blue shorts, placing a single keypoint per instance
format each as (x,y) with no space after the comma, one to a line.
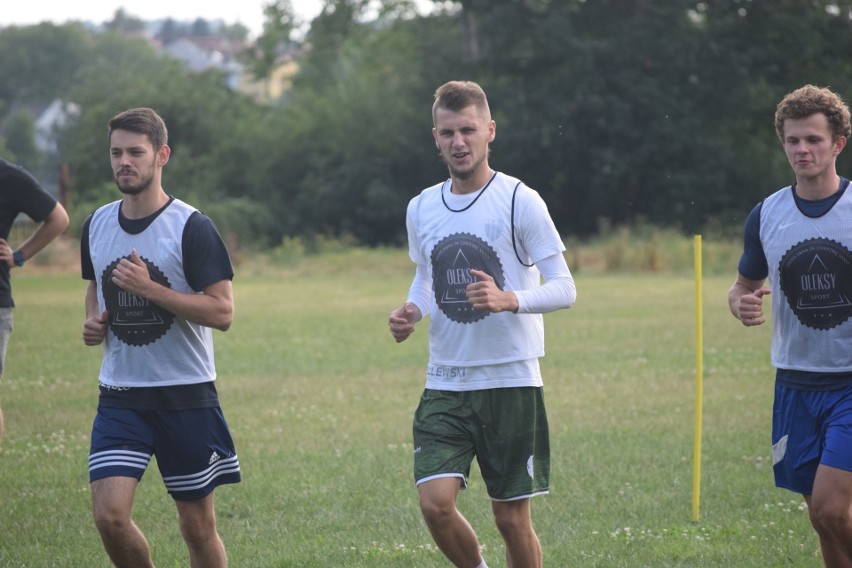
(809,429)
(194,449)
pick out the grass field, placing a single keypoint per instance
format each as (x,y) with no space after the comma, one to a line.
(319,399)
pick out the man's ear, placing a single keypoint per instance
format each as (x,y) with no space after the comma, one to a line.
(163,155)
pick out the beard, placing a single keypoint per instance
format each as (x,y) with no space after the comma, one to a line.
(463,174)
(134,188)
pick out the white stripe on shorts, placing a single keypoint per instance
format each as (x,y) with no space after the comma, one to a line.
(195,481)
(122,458)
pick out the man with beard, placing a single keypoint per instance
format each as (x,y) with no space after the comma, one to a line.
(20,193)
(481,241)
(159,282)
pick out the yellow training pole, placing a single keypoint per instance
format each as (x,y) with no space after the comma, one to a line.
(699,376)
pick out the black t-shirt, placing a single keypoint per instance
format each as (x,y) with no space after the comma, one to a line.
(20,193)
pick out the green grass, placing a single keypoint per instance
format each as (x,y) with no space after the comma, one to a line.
(320,399)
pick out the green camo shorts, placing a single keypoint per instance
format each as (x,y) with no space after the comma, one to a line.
(505,428)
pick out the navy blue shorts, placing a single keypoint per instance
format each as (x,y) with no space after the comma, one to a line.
(194,449)
(809,429)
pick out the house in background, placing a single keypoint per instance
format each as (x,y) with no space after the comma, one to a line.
(201,53)
(50,121)
(47,120)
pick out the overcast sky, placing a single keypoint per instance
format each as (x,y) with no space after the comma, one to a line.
(247,12)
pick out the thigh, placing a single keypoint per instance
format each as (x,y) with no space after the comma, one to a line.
(443,442)
(112,497)
(439,492)
(195,452)
(513,442)
(514,513)
(832,493)
(122,444)
(197,514)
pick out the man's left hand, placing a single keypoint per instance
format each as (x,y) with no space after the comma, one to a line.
(486,296)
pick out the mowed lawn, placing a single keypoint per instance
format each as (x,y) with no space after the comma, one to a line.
(320,399)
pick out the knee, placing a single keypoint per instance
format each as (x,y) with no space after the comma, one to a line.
(436,511)
(110,522)
(198,529)
(512,518)
(508,523)
(829,515)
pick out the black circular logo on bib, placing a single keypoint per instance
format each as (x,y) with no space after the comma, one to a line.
(816,278)
(132,319)
(452,260)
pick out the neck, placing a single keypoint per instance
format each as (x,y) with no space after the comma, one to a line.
(818,187)
(144,203)
(472,183)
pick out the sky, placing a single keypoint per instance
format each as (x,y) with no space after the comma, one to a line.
(247,12)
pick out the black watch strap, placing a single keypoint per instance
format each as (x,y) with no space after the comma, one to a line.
(18,257)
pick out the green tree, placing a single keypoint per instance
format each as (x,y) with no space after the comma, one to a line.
(662,113)
(20,135)
(200,28)
(39,63)
(122,21)
(211,128)
(278,26)
(169,31)
(237,31)
(359,125)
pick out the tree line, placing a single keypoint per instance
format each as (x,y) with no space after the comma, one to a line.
(616,111)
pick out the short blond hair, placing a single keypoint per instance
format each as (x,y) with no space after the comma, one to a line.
(458,95)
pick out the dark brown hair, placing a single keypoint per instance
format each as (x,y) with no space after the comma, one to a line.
(142,121)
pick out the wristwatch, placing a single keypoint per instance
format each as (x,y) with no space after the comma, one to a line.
(18,257)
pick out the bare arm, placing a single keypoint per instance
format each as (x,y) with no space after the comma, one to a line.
(49,229)
(213,307)
(745,300)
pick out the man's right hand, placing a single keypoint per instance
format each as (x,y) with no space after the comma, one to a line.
(401,321)
(94,328)
(751,307)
